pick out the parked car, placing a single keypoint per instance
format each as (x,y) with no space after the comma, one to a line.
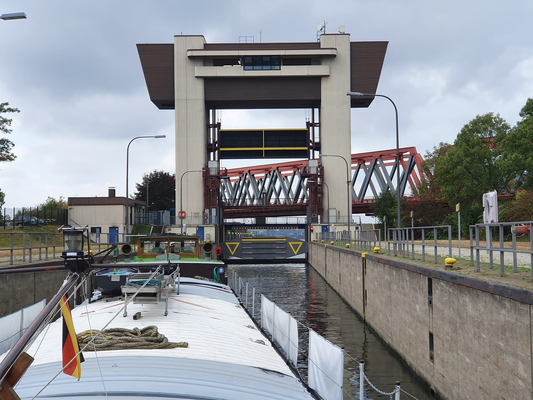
(26,220)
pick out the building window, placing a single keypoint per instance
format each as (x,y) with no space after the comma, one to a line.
(223,62)
(297,61)
(262,62)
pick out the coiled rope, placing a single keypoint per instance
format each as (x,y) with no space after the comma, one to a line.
(122,339)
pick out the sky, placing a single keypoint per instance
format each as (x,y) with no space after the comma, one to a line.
(73,71)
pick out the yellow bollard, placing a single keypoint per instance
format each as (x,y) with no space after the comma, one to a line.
(347,245)
(363,255)
(376,249)
(332,242)
(448,262)
(322,241)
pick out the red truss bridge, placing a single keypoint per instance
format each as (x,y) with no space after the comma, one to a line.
(297,187)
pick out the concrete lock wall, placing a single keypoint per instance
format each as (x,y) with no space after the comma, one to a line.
(22,290)
(481,331)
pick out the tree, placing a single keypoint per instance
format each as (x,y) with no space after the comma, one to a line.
(386,207)
(517,150)
(427,189)
(473,165)
(5,144)
(161,187)
(519,209)
(53,204)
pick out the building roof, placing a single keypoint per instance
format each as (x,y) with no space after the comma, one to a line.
(262,89)
(102,201)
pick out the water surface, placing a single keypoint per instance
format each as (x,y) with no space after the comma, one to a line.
(301,291)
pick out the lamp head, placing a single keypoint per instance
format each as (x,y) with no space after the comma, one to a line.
(7,17)
(73,254)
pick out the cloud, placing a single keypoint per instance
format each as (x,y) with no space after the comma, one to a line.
(73,70)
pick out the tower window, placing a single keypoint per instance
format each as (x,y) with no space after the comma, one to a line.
(262,62)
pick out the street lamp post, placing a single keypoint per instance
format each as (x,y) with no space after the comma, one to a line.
(127,171)
(397,149)
(348,182)
(181,196)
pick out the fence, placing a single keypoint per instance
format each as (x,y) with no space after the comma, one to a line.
(502,230)
(403,241)
(325,360)
(41,246)
(28,246)
(365,239)
(13,218)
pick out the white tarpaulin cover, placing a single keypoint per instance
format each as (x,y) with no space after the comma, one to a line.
(30,313)
(12,326)
(9,331)
(326,365)
(282,327)
(267,314)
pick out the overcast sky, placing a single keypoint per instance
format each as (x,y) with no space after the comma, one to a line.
(73,70)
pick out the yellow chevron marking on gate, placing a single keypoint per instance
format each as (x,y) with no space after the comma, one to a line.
(229,244)
(299,244)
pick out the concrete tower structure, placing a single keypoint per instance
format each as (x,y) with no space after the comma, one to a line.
(193,77)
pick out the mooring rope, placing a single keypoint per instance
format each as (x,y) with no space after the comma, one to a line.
(122,339)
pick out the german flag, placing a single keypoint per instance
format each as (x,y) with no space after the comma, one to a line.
(71,347)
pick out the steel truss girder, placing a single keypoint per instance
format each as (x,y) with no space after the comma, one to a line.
(379,171)
(274,187)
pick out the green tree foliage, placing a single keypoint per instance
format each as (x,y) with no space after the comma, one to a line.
(427,212)
(160,187)
(6,145)
(386,207)
(53,204)
(517,150)
(427,189)
(520,209)
(473,166)
(2,202)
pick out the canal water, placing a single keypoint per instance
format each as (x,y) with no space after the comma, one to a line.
(299,290)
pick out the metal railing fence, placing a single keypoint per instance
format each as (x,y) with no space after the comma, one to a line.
(32,245)
(362,239)
(403,243)
(500,231)
(43,246)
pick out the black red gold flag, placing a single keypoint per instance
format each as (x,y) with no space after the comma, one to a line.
(71,347)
